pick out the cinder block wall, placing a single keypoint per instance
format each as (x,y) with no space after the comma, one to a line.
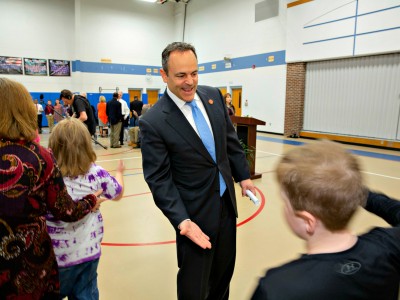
(295,89)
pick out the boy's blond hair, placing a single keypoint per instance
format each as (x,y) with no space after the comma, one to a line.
(323,179)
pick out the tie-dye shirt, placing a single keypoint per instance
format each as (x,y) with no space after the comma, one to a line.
(79,242)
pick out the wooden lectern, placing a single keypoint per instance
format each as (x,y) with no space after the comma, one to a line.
(246,129)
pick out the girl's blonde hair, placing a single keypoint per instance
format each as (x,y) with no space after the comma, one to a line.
(18,114)
(102,99)
(72,147)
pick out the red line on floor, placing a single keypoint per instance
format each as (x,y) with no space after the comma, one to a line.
(258,211)
(115,153)
(132,195)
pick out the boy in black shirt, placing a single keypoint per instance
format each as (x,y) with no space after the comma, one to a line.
(321,187)
(81,108)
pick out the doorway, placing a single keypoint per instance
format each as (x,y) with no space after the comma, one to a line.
(223,90)
(152,96)
(133,93)
(237,100)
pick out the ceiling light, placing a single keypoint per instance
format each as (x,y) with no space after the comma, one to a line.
(149,0)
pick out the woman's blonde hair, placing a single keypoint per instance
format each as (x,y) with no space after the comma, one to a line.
(72,147)
(18,115)
(102,99)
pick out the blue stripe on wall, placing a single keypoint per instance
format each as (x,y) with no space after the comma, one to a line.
(246,62)
(94,67)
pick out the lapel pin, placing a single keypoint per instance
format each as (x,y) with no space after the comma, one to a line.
(211,101)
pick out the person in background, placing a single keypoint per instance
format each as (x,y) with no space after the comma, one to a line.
(101,112)
(229,105)
(134,132)
(114,114)
(136,109)
(49,112)
(77,245)
(39,114)
(191,153)
(58,111)
(67,110)
(125,117)
(322,187)
(95,116)
(30,185)
(81,108)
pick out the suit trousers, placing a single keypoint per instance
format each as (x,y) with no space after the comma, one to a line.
(50,122)
(39,121)
(114,136)
(206,273)
(134,134)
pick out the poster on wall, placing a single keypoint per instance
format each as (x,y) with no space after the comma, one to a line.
(35,66)
(11,65)
(58,67)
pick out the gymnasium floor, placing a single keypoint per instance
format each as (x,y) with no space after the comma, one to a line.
(138,254)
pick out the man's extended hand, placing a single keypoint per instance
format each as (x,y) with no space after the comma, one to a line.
(193,232)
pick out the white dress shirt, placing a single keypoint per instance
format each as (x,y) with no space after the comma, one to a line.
(124,108)
(187,110)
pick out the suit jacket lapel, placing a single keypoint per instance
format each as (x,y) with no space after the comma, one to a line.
(175,118)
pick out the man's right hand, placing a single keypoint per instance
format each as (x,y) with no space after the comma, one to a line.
(193,232)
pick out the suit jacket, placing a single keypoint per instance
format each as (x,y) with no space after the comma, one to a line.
(180,172)
(136,105)
(114,111)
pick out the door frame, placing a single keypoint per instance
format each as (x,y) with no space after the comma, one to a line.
(237,102)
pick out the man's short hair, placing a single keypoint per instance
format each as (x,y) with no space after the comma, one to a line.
(175,46)
(66,94)
(323,179)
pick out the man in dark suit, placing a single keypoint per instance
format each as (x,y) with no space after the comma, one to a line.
(192,186)
(114,114)
(136,107)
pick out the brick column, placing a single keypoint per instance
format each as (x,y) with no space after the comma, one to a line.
(294,107)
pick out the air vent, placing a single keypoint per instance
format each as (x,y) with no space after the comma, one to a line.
(266,9)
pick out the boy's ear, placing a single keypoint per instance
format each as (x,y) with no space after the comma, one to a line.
(309,220)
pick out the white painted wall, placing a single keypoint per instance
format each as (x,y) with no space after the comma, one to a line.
(127,31)
(343,28)
(220,27)
(264,88)
(227,28)
(133,32)
(38,29)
